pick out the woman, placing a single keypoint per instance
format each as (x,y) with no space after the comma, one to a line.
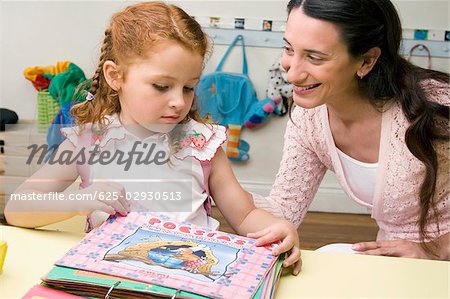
(362,111)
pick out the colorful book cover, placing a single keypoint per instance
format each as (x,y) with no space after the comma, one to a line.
(154,249)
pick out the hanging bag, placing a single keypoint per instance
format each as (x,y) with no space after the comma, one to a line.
(226,96)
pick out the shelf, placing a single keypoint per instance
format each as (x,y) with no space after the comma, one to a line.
(269,39)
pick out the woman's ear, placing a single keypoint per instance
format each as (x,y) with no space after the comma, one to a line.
(368,61)
(112,75)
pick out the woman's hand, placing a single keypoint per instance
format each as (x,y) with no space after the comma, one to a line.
(284,231)
(108,197)
(398,248)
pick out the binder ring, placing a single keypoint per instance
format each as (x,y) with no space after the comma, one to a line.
(111,289)
(175,295)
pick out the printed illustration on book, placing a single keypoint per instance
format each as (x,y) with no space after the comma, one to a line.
(155,251)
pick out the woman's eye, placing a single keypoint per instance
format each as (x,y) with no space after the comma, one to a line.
(314,58)
(288,50)
(160,87)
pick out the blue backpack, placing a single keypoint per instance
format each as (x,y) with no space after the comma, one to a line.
(226,96)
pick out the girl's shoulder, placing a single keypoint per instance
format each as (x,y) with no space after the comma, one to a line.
(200,140)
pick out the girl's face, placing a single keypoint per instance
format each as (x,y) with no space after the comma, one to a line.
(317,62)
(159,90)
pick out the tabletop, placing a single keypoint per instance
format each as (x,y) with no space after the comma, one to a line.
(32,252)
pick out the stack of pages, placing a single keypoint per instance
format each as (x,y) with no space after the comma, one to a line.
(146,255)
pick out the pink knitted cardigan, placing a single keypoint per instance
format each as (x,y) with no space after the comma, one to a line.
(309,150)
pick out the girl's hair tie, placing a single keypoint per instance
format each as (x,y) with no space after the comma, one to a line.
(89,96)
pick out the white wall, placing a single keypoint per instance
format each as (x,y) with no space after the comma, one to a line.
(41,33)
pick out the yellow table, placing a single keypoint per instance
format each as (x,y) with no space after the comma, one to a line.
(31,254)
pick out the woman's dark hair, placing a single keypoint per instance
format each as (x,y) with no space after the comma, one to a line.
(365,24)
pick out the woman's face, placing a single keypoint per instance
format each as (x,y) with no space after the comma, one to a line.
(317,62)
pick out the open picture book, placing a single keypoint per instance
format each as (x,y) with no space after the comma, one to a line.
(146,255)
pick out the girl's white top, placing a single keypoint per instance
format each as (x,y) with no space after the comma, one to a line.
(175,187)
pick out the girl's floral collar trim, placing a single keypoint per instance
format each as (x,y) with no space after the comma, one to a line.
(194,140)
(115,130)
(197,140)
(200,141)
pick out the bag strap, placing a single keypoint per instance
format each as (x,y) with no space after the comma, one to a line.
(233,43)
(220,104)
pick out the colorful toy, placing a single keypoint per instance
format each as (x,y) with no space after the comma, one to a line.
(63,88)
(261,111)
(279,89)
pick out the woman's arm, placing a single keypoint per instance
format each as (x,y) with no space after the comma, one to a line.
(300,171)
(404,248)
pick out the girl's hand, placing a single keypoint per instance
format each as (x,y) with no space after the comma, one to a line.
(284,231)
(108,197)
(399,248)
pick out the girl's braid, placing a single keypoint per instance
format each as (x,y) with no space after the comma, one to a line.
(104,55)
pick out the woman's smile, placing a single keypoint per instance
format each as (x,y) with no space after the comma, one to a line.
(305,89)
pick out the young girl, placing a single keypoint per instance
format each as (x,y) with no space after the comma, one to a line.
(139,143)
